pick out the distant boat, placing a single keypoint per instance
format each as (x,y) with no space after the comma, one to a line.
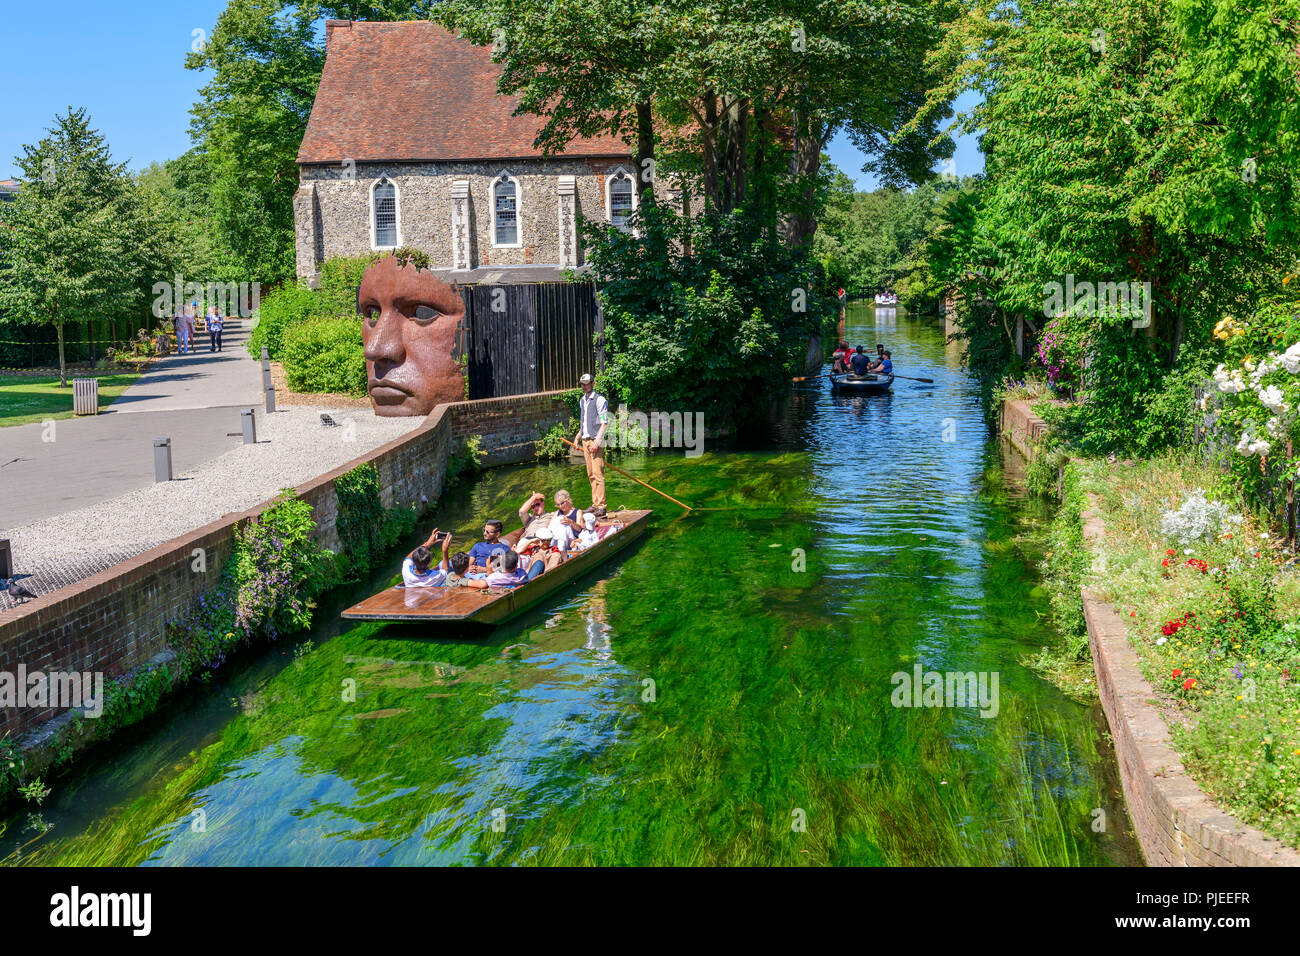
(886,298)
(868,384)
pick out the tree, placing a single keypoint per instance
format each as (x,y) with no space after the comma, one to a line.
(266,57)
(80,243)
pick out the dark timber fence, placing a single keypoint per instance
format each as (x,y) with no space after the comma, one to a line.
(534,337)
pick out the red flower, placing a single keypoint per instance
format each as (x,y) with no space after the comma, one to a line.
(1178,672)
(1171,552)
(1189,683)
(1165,562)
(1198,564)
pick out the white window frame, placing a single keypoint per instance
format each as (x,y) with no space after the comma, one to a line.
(519,210)
(609,195)
(374,218)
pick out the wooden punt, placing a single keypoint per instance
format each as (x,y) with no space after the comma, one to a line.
(494,605)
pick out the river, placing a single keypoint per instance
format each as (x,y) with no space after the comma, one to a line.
(723,693)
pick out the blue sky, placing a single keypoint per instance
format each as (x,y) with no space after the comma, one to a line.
(126,66)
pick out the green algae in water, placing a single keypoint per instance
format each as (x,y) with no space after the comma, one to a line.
(719,695)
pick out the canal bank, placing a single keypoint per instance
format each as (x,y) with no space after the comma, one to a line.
(725,693)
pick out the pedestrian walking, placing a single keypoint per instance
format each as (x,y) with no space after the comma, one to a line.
(593,418)
(184,331)
(216,322)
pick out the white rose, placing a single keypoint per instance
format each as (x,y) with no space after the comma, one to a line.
(1271,398)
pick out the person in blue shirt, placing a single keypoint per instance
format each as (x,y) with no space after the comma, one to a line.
(491,545)
(886,364)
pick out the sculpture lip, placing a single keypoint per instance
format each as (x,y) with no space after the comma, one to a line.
(384,391)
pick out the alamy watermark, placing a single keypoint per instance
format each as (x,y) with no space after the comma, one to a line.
(232,299)
(61,689)
(1123,300)
(947,689)
(637,430)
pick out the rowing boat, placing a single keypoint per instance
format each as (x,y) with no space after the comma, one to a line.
(868,384)
(494,605)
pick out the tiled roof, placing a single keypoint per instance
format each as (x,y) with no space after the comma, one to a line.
(412,91)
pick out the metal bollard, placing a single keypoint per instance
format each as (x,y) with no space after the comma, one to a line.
(250,426)
(162,459)
(266,368)
(270,398)
(6,559)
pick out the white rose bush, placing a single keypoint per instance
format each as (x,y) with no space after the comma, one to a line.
(1258,413)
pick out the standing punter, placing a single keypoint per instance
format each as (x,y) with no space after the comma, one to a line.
(593,417)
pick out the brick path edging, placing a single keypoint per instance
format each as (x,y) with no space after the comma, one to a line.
(1176,823)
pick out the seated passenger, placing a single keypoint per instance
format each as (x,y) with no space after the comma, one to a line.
(840,358)
(532,514)
(566,525)
(511,574)
(491,546)
(416,572)
(460,575)
(886,364)
(861,363)
(589,534)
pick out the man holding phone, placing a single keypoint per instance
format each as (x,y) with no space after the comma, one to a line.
(416,572)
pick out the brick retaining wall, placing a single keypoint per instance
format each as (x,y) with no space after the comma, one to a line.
(1175,822)
(115,621)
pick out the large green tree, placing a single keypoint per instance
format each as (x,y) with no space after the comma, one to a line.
(80,242)
(266,58)
(1139,141)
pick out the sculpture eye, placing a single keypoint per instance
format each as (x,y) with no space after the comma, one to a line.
(425,314)
(371,312)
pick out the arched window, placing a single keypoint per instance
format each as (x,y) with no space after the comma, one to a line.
(505,210)
(620,198)
(384,231)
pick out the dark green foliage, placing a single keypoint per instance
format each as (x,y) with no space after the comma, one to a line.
(286,306)
(325,355)
(695,332)
(360,521)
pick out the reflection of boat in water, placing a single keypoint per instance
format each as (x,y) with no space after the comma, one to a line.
(886,298)
(494,605)
(861,384)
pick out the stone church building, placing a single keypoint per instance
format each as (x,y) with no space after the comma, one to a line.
(409,144)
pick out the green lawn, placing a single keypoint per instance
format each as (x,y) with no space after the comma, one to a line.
(25,400)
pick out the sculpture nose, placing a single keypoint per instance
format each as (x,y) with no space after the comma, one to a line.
(384,346)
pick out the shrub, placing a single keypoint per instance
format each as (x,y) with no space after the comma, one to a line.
(325,355)
(1197,520)
(281,309)
(467,459)
(551,446)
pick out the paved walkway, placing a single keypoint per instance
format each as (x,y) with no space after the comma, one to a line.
(193,399)
(201,379)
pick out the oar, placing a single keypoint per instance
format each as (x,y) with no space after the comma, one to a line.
(913,378)
(626,475)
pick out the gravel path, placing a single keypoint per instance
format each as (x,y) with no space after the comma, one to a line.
(293,446)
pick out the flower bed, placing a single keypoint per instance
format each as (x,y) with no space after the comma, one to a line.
(1212,606)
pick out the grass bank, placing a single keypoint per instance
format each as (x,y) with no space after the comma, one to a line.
(26,400)
(1211,601)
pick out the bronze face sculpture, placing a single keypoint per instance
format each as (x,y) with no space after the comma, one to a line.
(411,326)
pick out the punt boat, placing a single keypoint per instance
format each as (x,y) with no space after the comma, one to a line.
(494,605)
